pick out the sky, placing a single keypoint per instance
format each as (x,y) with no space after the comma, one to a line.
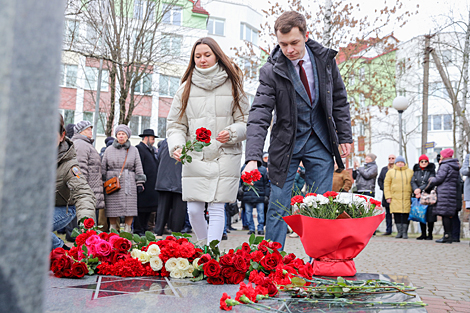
(422,23)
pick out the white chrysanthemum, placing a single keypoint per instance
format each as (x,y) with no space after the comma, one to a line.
(189,271)
(144,257)
(153,250)
(170,264)
(344,198)
(182,264)
(177,273)
(196,260)
(322,199)
(135,253)
(156,263)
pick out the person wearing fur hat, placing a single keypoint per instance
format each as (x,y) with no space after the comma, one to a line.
(397,190)
(365,175)
(422,172)
(124,201)
(447,182)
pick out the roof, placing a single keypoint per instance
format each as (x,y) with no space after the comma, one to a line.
(197,7)
(366,47)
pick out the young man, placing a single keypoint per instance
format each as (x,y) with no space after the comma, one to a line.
(301,83)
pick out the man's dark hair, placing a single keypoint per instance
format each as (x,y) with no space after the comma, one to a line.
(289,20)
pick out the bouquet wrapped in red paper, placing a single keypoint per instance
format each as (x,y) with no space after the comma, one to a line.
(334,228)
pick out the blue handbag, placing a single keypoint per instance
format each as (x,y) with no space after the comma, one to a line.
(418,211)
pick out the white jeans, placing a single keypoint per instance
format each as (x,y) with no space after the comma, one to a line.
(199,224)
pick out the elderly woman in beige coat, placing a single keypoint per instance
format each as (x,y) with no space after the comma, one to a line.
(211,96)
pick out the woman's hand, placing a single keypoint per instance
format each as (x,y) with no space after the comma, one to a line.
(177,154)
(389,200)
(417,191)
(223,136)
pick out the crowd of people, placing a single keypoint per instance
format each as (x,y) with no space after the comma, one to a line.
(302,98)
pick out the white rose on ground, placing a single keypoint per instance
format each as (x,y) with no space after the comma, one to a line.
(170,264)
(144,257)
(153,250)
(189,271)
(196,260)
(182,264)
(135,253)
(177,273)
(156,263)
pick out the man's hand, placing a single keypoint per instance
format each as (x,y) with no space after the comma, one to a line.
(250,166)
(346,149)
(223,136)
(389,200)
(177,154)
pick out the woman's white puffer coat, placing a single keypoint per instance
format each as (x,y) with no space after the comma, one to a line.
(214,174)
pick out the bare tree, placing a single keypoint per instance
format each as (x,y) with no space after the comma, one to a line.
(133,38)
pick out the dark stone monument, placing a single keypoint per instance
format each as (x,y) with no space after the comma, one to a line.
(30,53)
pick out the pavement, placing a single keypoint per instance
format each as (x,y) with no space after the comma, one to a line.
(443,270)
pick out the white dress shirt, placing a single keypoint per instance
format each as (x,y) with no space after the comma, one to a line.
(307,65)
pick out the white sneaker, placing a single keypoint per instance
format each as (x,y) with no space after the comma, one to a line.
(293,235)
(128,228)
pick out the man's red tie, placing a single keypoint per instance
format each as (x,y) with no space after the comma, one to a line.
(303,78)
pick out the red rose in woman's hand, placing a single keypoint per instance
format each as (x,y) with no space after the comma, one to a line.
(79,269)
(88,223)
(203,134)
(211,268)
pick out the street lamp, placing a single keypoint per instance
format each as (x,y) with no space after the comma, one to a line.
(400,104)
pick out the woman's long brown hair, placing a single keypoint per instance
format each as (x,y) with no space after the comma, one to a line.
(233,71)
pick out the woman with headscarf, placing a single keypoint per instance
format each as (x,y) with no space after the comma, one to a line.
(132,178)
(211,96)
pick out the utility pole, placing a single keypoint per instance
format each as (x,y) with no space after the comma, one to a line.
(424,121)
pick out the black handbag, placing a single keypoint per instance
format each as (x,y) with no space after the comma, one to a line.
(232,209)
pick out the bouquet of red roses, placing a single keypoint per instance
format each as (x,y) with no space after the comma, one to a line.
(249,178)
(203,139)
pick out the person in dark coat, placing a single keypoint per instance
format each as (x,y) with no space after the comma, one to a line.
(69,130)
(422,172)
(385,204)
(147,200)
(365,176)
(108,141)
(252,200)
(302,84)
(169,192)
(446,180)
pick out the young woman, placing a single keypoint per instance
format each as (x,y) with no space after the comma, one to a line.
(211,96)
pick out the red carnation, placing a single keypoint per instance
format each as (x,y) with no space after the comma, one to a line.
(330,194)
(223,304)
(377,203)
(79,269)
(212,268)
(203,134)
(311,194)
(88,223)
(296,199)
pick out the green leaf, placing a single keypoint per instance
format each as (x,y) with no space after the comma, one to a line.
(187,236)
(90,271)
(341,281)
(144,240)
(298,282)
(255,265)
(200,277)
(258,240)
(196,272)
(177,234)
(252,239)
(150,236)
(189,159)
(93,260)
(128,236)
(198,149)
(136,238)
(114,231)
(82,220)
(283,253)
(75,233)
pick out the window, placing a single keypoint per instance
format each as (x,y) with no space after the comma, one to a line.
(446,57)
(248,33)
(438,90)
(144,10)
(362,73)
(68,77)
(352,79)
(144,85)
(91,78)
(92,35)
(90,117)
(168,85)
(137,124)
(138,9)
(402,93)
(440,122)
(69,116)
(171,44)
(215,26)
(172,14)
(362,100)
(71,30)
(162,127)
(250,69)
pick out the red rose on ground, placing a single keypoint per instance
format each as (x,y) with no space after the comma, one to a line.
(306,271)
(223,304)
(60,265)
(79,269)
(227,272)
(246,247)
(204,259)
(122,245)
(256,256)
(296,199)
(215,280)
(203,134)
(57,253)
(226,260)
(182,240)
(212,268)
(236,278)
(289,258)
(257,278)
(297,263)
(74,252)
(104,236)
(274,245)
(270,261)
(240,264)
(272,289)
(88,223)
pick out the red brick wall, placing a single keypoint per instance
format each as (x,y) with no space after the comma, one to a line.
(68,98)
(164,107)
